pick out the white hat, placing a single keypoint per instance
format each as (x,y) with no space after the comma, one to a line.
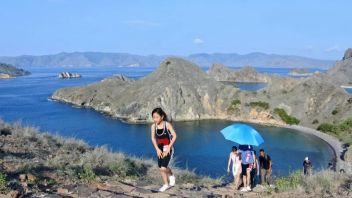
(306,158)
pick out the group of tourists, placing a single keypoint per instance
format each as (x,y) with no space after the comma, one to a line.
(247,170)
(246,167)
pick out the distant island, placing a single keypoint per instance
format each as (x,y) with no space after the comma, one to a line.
(9,71)
(300,72)
(99,59)
(64,75)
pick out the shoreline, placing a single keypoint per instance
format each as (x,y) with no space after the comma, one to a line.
(334,143)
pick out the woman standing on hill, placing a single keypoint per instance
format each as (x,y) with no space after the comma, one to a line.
(235,158)
(163,138)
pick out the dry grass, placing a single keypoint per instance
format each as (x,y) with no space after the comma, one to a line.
(75,160)
(322,183)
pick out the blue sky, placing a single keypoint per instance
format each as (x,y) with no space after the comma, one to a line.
(313,28)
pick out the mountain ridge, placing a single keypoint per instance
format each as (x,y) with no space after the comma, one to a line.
(97,59)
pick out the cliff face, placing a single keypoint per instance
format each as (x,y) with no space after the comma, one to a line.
(181,88)
(348,54)
(246,74)
(312,100)
(341,73)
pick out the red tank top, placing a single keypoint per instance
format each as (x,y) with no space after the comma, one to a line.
(163,136)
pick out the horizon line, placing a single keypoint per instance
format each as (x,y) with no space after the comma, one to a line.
(207,53)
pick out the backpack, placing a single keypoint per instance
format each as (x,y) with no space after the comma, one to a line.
(247,157)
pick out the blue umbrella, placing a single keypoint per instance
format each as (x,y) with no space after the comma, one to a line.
(242,134)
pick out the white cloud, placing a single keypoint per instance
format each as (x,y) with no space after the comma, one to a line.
(334,48)
(140,23)
(198,41)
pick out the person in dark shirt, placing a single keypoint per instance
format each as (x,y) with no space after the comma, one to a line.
(163,137)
(265,167)
(307,166)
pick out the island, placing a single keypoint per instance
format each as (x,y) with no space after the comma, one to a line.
(64,75)
(300,72)
(10,71)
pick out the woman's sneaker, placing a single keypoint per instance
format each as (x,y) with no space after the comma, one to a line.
(244,189)
(163,188)
(249,188)
(172,180)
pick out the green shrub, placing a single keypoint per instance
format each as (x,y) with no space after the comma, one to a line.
(326,127)
(336,128)
(334,112)
(285,117)
(234,104)
(2,181)
(323,183)
(315,121)
(346,125)
(87,175)
(133,168)
(290,182)
(260,104)
(340,130)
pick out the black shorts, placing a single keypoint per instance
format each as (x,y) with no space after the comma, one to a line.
(244,168)
(164,162)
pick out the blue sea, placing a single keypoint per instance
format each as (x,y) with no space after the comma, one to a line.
(199,147)
(349,90)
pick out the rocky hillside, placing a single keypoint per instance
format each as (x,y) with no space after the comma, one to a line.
(341,73)
(8,71)
(184,90)
(188,93)
(312,100)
